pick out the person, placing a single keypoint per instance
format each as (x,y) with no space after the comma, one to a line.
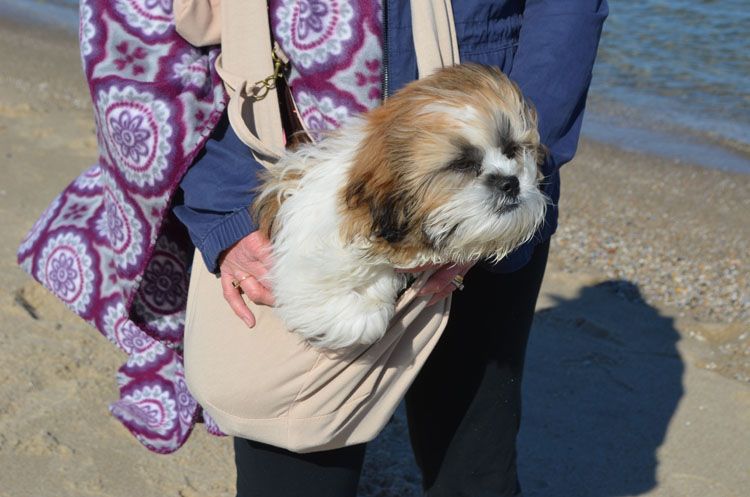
(464,408)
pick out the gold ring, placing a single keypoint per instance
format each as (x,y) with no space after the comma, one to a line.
(458,280)
(236,283)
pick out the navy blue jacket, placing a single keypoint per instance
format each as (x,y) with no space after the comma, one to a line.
(546,46)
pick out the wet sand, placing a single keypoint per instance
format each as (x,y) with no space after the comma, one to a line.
(667,240)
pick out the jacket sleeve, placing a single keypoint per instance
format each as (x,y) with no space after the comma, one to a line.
(217,192)
(553,64)
(198,21)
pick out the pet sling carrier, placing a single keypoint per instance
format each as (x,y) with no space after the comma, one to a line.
(267,384)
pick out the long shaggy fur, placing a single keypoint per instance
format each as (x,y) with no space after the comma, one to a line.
(445,171)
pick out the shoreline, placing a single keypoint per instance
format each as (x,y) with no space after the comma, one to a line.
(605,122)
(60,18)
(666,140)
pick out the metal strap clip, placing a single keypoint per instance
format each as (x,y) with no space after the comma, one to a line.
(262,87)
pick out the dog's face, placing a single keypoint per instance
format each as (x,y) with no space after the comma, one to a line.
(447,171)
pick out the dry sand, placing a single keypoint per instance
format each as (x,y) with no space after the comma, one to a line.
(666,242)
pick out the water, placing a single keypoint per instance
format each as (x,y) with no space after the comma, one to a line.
(672,77)
(60,14)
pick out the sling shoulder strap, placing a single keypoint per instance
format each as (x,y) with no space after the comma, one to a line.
(246,61)
(434,33)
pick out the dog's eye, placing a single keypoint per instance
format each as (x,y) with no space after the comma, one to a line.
(469,159)
(511,150)
(466,165)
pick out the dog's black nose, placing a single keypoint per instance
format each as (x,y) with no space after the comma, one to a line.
(509,185)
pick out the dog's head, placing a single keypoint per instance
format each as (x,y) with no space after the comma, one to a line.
(448,170)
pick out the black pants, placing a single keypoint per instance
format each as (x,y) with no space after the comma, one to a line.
(464,408)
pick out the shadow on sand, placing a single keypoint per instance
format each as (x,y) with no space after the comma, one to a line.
(602,381)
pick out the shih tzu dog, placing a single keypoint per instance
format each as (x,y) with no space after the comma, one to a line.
(445,171)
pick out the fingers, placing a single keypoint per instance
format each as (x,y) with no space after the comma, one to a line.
(441,284)
(256,270)
(256,291)
(440,296)
(235,300)
(238,264)
(442,279)
(251,255)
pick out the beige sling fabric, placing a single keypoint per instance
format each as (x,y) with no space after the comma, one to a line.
(268,385)
(265,383)
(198,21)
(434,35)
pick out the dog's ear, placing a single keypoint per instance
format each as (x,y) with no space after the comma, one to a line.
(269,197)
(264,208)
(385,207)
(390,217)
(374,195)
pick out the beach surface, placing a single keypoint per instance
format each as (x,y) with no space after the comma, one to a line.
(638,374)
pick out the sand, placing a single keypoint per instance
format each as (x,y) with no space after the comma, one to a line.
(649,272)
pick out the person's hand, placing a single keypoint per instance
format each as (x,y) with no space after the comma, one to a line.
(247,261)
(441,284)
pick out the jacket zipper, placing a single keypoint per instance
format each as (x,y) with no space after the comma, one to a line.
(384,73)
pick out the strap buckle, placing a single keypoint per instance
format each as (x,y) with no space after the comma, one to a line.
(262,87)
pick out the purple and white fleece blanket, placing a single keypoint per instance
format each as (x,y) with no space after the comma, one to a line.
(109,246)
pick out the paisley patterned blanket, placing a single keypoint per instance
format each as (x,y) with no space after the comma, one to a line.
(108,245)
